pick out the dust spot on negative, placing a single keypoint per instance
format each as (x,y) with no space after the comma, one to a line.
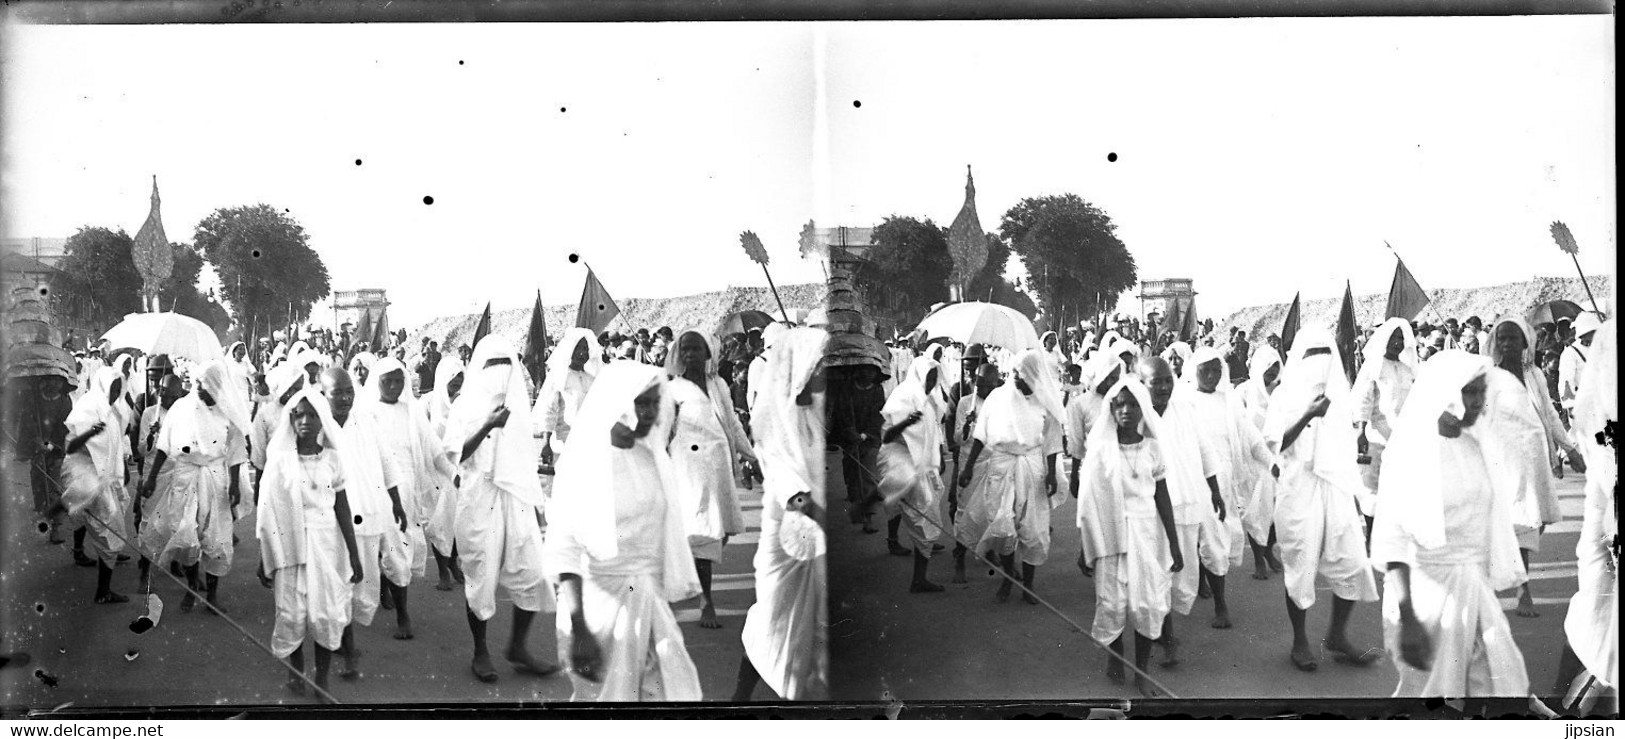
(561,109)
(1111,157)
(358,520)
(256,253)
(459,62)
(694,448)
(575,258)
(39,607)
(428,200)
(49,680)
(600,306)
(857,103)
(44,291)
(44,527)
(358,162)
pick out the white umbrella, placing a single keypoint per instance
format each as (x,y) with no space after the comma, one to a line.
(181,337)
(982,323)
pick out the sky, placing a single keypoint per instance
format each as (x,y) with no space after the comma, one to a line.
(1258,157)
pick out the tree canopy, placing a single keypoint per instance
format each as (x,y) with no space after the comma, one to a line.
(104,282)
(266,266)
(1070,249)
(180,294)
(907,268)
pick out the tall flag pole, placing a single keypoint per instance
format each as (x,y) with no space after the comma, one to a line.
(758,254)
(1347,330)
(536,343)
(483,327)
(1289,328)
(597,309)
(1560,234)
(151,254)
(1406,298)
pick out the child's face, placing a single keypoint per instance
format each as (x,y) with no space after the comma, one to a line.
(1208,376)
(1126,411)
(306,423)
(391,386)
(647,408)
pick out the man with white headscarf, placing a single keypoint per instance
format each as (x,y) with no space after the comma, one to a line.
(758,364)
(911,451)
(499,538)
(1242,456)
(1380,389)
(1126,519)
(785,637)
(1193,487)
(1444,537)
(93,476)
(373,484)
(441,530)
(570,372)
(1310,428)
(1007,499)
(418,455)
(1258,519)
(705,445)
(1571,363)
(205,436)
(1530,437)
(617,547)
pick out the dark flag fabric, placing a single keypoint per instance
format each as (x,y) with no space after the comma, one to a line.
(380,331)
(483,327)
(597,309)
(1189,326)
(1289,329)
(1172,322)
(1406,298)
(364,331)
(1347,329)
(536,344)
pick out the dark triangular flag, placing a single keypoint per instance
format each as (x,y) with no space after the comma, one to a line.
(597,309)
(1190,326)
(1289,329)
(364,331)
(380,331)
(1172,322)
(1347,330)
(536,343)
(1406,298)
(483,327)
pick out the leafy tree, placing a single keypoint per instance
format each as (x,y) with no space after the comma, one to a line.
(180,294)
(989,285)
(907,268)
(104,284)
(265,264)
(1071,251)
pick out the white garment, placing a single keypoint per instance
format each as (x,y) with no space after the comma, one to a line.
(911,466)
(703,458)
(1006,507)
(312,589)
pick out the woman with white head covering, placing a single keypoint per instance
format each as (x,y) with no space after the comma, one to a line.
(785,630)
(360,368)
(1571,364)
(441,530)
(1100,372)
(93,475)
(1258,519)
(1444,537)
(283,382)
(705,444)
(1383,383)
(617,546)
(1530,436)
(1310,427)
(1177,355)
(911,462)
(1126,518)
(205,437)
(1008,499)
(570,372)
(499,541)
(758,364)
(308,551)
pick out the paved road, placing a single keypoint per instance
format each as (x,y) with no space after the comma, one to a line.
(886,643)
(197,659)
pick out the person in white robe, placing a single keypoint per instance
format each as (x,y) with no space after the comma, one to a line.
(1126,520)
(1178,356)
(1241,456)
(617,547)
(1258,519)
(1444,538)
(498,534)
(1007,502)
(1531,438)
(1571,363)
(308,552)
(1589,674)
(360,368)
(970,407)
(204,442)
(283,383)
(705,446)
(373,483)
(758,364)
(418,456)
(911,452)
(155,538)
(1380,389)
(785,633)
(1310,428)
(1193,487)
(570,372)
(93,471)
(441,531)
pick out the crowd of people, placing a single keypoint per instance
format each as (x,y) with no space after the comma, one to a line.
(603,493)
(1430,468)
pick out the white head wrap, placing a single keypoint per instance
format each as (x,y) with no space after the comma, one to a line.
(559,361)
(512,464)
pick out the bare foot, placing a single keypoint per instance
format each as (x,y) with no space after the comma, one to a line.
(445,584)
(1526,607)
(483,671)
(403,630)
(1170,652)
(1262,573)
(925,586)
(1303,658)
(296,685)
(1114,670)
(708,617)
(1348,654)
(525,664)
(959,573)
(1028,598)
(219,607)
(188,601)
(1221,620)
(1146,689)
(1004,592)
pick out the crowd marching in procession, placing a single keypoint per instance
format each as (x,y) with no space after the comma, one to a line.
(601,490)
(1425,463)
